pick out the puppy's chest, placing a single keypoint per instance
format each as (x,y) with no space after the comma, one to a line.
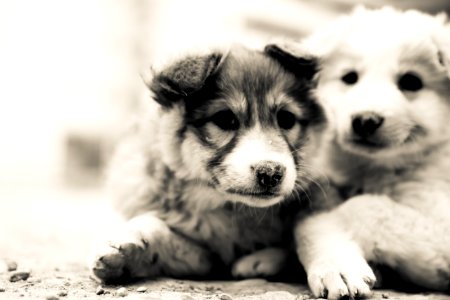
(231,233)
(227,229)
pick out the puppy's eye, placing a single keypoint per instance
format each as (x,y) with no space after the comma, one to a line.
(286,120)
(410,82)
(225,120)
(350,78)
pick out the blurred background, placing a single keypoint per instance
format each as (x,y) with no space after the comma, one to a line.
(70,80)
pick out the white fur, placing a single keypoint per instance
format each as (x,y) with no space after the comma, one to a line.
(254,148)
(401,217)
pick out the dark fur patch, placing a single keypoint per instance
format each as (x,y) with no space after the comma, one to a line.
(303,67)
(184,78)
(313,112)
(218,158)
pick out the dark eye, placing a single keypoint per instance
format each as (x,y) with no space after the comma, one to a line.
(286,120)
(350,78)
(225,120)
(410,82)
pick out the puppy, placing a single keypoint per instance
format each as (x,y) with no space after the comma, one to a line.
(207,178)
(384,81)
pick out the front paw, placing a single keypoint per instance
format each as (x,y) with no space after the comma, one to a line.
(123,262)
(263,263)
(336,279)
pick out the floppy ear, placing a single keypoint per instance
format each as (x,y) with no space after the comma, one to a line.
(184,77)
(294,59)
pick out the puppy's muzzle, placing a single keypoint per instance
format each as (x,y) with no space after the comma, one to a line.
(365,125)
(269,174)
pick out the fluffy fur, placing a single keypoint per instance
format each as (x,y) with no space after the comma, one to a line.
(207,178)
(384,82)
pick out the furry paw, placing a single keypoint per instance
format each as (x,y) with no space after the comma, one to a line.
(335,279)
(123,262)
(263,263)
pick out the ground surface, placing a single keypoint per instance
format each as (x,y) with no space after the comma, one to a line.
(47,232)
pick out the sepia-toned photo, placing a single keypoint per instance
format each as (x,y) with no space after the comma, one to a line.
(225,150)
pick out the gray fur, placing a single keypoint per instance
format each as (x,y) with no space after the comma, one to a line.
(180,221)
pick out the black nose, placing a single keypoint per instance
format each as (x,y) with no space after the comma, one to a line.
(365,124)
(269,174)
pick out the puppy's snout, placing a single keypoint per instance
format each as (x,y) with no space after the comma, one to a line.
(366,124)
(269,174)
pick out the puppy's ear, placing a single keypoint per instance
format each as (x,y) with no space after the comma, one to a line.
(442,40)
(294,59)
(184,77)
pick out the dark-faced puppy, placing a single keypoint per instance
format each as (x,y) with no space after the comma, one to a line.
(225,139)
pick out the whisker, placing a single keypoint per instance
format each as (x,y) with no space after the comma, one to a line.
(307,196)
(263,216)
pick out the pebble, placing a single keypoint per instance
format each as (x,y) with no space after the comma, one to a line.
(2,290)
(141,289)
(275,295)
(16,276)
(225,297)
(11,265)
(99,290)
(62,293)
(34,280)
(52,297)
(122,292)
(385,296)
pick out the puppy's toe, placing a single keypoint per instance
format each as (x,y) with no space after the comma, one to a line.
(263,263)
(330,285)
(317,286)
(359,286)
(248,268)
(335,285)
(116,262)
(336,281)
(109,266)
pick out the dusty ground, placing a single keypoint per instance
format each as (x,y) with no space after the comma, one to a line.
(47,232)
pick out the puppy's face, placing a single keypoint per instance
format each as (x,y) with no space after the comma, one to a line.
(385,80)
(243,122)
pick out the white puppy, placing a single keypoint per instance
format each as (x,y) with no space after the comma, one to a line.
(385,83)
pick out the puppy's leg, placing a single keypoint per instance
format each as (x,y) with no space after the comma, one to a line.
(262,263)
(333,260)
(375,228)
(431,198)
(147,247)
(401,237)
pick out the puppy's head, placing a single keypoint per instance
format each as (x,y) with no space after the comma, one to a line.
(238,121)
(385,81)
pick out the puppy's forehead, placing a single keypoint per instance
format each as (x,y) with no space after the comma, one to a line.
(251,81)
(375,31)
(420,53)
(399,54)
(403,55)
(253,74)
